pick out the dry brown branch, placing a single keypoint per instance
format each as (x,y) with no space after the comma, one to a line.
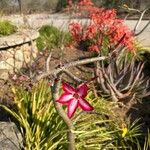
(48,62)
(72,76)
(68,65)
(139,21)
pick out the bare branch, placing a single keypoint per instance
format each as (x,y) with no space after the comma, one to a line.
(72,76)
(84,69)
(143,29)
(48,62)
(68,65)
(139,21)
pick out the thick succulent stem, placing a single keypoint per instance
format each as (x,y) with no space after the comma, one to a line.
(61,112)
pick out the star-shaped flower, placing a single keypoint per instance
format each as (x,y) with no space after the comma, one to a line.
(74,98)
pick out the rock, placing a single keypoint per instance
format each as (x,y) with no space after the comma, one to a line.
(10,137)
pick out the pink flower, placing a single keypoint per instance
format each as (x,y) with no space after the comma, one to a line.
(74,98)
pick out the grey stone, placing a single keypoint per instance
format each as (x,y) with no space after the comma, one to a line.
(10,137)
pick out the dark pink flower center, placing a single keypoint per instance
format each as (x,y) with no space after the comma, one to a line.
(76,96)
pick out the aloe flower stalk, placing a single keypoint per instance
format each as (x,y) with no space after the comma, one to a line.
(74,98)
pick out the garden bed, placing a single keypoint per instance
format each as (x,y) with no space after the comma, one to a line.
(97,71)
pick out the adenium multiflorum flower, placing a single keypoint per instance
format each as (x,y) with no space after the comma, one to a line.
(103,25)
(74,98)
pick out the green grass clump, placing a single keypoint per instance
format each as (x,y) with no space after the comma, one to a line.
(98,130)
(7,28)
(51,37)
(39,123)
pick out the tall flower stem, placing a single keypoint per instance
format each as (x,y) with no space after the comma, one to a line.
(61,112)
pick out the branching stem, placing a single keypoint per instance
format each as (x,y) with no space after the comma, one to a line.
(68,65)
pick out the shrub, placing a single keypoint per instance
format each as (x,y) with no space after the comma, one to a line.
(7,28)
(105,30)
(51,37)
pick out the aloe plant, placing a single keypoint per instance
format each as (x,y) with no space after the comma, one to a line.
(122,80)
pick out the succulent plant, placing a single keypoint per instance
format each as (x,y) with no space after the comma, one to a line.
(122,80)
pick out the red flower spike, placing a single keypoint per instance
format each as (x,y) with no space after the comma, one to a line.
(103,22)
(76,30)
(74,98)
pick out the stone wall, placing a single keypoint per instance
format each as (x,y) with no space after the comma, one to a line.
(16,51)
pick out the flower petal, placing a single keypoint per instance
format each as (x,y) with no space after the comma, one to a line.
(73,104)
(65,98)
(67,88)
(82,90)
(85,105)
